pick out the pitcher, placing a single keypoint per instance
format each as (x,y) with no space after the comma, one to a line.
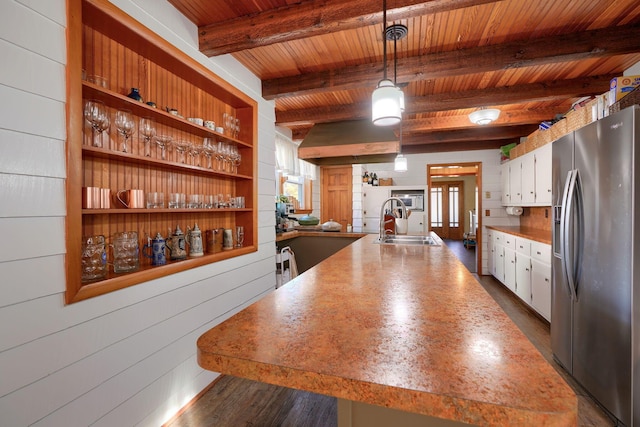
(156,250)
(194,238)
(176,244)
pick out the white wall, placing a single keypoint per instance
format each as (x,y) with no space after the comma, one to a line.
(490,192)
(128,357)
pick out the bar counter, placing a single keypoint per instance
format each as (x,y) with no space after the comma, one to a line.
(406,329)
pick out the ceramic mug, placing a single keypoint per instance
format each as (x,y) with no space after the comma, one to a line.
(156,251)
(132,199)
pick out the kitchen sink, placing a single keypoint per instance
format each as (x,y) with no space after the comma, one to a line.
(403,239)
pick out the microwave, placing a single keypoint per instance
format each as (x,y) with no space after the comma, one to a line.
(413,199)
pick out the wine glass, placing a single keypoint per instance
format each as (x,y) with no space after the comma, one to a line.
(181,148)
(125,126)
(194,153)
(164,142)
(148,130)
(235,158)
(209,150)
(95,112)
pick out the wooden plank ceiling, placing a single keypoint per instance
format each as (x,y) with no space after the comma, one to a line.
(320,60)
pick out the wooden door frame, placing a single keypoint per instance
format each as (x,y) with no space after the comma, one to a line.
(465,168)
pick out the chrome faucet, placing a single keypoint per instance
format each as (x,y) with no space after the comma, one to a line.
(382,221)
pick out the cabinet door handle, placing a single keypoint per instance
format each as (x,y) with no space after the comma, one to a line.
(546,279)
(538,252)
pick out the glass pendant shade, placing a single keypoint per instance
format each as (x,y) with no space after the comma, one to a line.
(387,102)
(484,116)
(400,163)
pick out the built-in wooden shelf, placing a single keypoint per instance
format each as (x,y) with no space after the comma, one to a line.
(105,41)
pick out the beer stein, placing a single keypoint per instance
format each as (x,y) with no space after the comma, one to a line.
(94,258)
(156,250)
(214,244)
(125,252)
(176,243)
(194,238)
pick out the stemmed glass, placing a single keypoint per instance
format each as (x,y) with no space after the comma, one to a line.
(148,130)
(235,158)
(95,112)
(209,150)
(125,126)
(194,153)
(164,142)
(181,148)
(220,155)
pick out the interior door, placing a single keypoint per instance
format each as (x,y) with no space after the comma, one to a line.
(447,209)
(336,195)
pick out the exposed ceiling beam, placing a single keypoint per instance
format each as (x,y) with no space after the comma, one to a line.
(312,18)
(458,146)
(507,118)
(516,54)
(557,89)
(468,135)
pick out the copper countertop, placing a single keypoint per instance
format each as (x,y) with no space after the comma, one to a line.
(542,236)
(405,327)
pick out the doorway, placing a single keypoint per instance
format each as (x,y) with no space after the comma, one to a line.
(446,173)
(336,194)
(446,205)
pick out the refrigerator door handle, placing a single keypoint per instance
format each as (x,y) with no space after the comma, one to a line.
(568,257)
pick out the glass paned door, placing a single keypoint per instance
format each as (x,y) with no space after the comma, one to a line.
(447,206)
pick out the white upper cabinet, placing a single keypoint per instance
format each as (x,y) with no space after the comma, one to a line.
(526,180)
(543,175)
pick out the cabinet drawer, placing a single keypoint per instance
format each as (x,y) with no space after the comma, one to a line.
(541,252)
(523,246)
(509,241)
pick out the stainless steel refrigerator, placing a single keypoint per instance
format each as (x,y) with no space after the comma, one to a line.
(595,314)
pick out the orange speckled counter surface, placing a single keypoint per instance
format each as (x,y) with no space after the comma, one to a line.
(542,236)
(399,326)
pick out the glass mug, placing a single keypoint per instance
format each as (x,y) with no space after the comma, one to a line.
(94,258)
(125,252)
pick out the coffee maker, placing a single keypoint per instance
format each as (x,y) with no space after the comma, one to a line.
(283,210)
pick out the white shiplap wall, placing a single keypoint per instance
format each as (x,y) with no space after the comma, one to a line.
(128,357)
(490,192)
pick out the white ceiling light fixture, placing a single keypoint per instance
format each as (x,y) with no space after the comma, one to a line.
(484,116)
(400,162)
(387,100)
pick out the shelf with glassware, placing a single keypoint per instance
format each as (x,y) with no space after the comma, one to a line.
(151,192)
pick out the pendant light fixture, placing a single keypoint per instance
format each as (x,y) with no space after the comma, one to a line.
(387,100)
(400,162)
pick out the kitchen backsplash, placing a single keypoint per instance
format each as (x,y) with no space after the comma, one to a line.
(536,217)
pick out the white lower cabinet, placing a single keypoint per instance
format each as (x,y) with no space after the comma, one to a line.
(541,279)
(523,266)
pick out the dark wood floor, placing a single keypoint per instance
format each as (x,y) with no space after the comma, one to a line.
(235,402)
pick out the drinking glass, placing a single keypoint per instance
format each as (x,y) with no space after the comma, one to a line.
(148,130)
(94,258)
(239,236)
(125,126)
(194,153)
(164,142)
(182,147)
(95,112)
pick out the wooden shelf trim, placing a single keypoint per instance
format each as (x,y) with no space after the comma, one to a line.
(98,152)
(116,100)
